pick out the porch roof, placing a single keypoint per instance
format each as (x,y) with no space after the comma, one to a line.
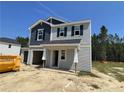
(62,42)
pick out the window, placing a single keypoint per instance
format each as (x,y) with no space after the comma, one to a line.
(63,55)
(77,30)
(77,33)
(9,46)
(40,34)
(61,33)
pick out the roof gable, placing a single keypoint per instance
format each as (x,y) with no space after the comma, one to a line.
(39,22)
(55,19)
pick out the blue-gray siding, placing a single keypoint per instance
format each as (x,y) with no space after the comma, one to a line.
(33,38)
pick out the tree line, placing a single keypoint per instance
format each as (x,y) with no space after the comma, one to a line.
(107,47)
(23,41)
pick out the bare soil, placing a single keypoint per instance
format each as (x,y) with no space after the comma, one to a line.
(32,78)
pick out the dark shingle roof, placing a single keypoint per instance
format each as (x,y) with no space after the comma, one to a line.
(8,40)
(72,41)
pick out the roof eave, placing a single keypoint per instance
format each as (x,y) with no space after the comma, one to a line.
(4,42)
(73,44)
(57,19)
(64,24)
(73,23)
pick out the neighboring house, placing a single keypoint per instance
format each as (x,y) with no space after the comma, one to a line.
(9,46)
(60,43)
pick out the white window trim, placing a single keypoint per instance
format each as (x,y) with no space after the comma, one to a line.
(77,30)
(61,55)
(38,34)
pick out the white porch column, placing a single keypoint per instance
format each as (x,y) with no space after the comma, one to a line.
(30,57)
(75,59)
(44,54)
(75,56)
(22,55)
(44,57)
(51,57)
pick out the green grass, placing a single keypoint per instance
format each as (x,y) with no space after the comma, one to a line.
(108,68)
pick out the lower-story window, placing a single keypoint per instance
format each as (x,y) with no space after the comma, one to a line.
(63,54)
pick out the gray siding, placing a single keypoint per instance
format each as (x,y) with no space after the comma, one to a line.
(84,57)
(68,64)
(85,37)
(34,30)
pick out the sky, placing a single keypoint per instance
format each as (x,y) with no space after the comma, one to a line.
(17,17)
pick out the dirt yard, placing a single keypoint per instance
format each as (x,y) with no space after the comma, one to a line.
(32,78)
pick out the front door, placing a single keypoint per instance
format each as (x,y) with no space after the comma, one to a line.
(37,57)
(55,58)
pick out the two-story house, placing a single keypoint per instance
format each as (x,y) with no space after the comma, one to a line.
(61,44)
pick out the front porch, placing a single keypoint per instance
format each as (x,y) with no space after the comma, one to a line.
(55,54)
(59,56)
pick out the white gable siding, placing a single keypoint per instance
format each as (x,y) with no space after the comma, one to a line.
(14,50)
(85,37)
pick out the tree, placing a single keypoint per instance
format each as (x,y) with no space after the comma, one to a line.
(110,49)
(95,47)
(107,47)
(23,41)
(103,40)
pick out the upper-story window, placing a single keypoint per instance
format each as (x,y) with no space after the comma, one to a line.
(40,34)
(77,30)
(62,31)
(9,46)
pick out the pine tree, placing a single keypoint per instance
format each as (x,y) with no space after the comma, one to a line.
(103,40)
